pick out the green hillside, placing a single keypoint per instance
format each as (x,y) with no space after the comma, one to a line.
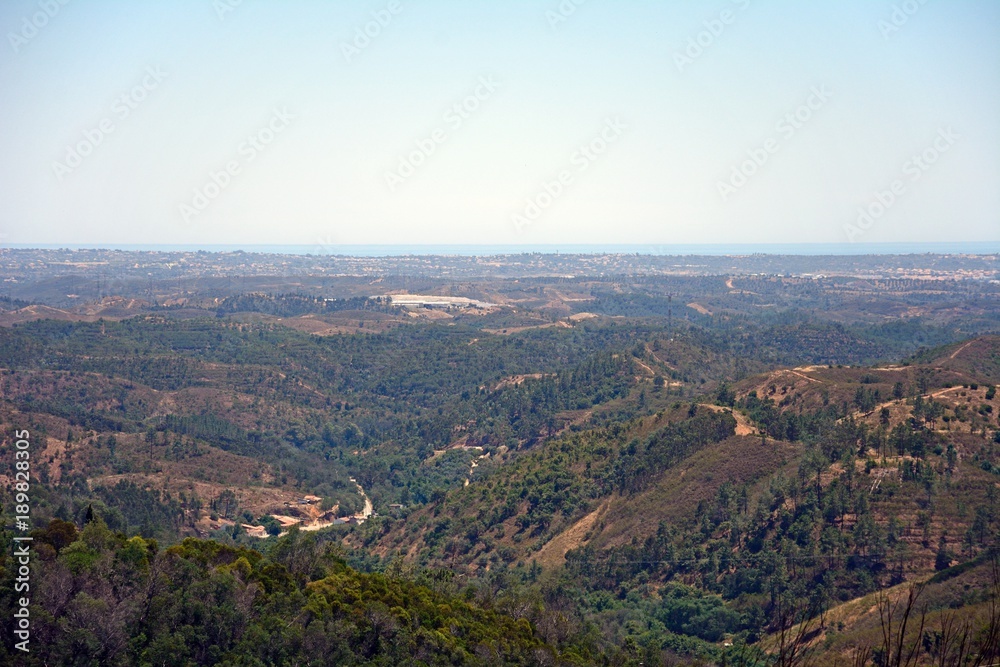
(609,490)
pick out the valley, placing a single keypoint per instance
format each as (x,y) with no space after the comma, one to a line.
(575,469)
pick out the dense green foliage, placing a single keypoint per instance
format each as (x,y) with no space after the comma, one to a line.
(405,392)
(102,599)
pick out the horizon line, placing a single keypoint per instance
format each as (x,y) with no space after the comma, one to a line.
(345,250)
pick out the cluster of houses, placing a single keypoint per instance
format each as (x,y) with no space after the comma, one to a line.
(305,500)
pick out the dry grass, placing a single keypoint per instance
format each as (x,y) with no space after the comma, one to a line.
(554,552)
(738,460)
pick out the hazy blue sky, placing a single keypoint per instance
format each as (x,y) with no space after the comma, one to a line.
(116,115)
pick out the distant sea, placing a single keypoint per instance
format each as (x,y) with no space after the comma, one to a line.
(718,249)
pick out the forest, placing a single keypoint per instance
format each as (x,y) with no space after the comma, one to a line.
(618,479)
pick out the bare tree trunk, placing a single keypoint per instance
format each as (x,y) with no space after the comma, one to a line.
(988,644)
(793,628)
(896,652)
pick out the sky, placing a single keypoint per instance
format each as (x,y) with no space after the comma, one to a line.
(515,122)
